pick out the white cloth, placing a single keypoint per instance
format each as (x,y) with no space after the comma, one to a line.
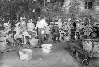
(30,26)
(41,24)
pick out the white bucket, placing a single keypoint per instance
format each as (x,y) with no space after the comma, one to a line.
(25,54)
(46,48)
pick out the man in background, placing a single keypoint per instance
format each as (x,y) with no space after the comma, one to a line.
(41,25)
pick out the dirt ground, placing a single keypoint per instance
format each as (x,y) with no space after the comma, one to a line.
(58,58)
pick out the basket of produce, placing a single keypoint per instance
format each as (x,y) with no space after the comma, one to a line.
(25,54)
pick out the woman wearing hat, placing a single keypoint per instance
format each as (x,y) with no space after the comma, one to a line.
(30,25)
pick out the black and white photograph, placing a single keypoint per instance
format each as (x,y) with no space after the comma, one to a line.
(49,33)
